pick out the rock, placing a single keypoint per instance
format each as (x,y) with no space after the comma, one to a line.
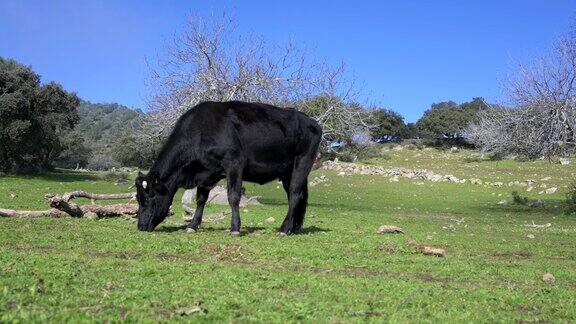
(453,149)
(503,202)
(394,179)
(451,178)
(531,236)
(548,278)
(270,220)
(476,181)
(195,310)
(537,203)
(435,178)
(497,184)
(219,196)
(318,180)
(90,215)
(389,229)
(551,190)
(188,197)
(545,178)
(564,161)
(538,225)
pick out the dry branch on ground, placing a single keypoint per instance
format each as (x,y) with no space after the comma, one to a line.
(63,206)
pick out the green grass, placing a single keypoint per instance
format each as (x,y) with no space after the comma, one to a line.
(339,270)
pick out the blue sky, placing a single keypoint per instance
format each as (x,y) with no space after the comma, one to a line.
(408,54)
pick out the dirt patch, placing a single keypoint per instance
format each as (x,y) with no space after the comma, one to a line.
(521,321)
(115,255)
(387,247)
(368,313)
(177,257)
(225,252)
(524,309)
(351,272)
(28,248)
(520,254)
(426,277)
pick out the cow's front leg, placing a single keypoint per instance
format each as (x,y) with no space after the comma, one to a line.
(202,194)
(234,179)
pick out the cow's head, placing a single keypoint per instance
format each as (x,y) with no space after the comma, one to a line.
(154,201)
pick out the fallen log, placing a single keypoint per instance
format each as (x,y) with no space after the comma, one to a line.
(92,211)
(63,206)
(429,250)
(92,196)
(32,213)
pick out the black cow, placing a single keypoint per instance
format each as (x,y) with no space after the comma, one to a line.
(236,141)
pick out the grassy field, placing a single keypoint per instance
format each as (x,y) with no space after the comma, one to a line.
(339,270)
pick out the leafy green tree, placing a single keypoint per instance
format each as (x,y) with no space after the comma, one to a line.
(33,118)
(448,119)
(341,120)
(74,153)
(388,123)
(129,151)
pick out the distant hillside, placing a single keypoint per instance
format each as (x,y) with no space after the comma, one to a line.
(102,125)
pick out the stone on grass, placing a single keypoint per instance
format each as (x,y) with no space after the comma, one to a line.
(389,229)
(548,277)
(537,203)
(90,215)
(551,190)
(270,220)
(475,181)
(219,196)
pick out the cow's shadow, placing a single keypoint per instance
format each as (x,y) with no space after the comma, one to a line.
(313,230)
(245,230)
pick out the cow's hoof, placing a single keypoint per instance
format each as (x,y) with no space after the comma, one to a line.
(282,234)
(190,230)
(235,233)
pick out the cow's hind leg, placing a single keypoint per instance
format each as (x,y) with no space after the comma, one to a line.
(202,194)
(297,197)
(234,179)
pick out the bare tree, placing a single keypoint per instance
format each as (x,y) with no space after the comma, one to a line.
(544,120)
(211,61)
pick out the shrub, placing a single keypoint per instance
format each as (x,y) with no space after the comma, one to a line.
(100,162)
(417,144)
(519,199)
(473,159)
(115,175)
(353,153)
(571,198)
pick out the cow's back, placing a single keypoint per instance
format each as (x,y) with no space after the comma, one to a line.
(264,137)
